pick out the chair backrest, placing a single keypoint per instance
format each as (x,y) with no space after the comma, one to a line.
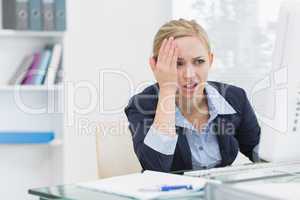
(115,154)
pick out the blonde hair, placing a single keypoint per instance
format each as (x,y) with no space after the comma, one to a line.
(179,28)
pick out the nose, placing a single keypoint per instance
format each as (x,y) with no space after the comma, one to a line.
(189,72)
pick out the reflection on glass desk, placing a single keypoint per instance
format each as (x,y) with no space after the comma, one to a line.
(70,192)
(268,188)
(74,192)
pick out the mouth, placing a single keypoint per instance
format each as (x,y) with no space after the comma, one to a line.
(190,87)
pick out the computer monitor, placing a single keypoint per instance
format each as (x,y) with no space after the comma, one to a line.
(280,134)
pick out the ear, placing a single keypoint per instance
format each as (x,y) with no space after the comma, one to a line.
(211,59)
(152,63)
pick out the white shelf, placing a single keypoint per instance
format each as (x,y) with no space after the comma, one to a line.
(40,163)
(14,88)
(33,34)
(54,143)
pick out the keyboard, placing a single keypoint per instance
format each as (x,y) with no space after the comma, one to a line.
(248,172)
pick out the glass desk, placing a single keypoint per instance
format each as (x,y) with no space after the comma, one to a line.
(225,188)
(74,192)
(71,192)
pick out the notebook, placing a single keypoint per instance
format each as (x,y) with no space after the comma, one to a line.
(136,185)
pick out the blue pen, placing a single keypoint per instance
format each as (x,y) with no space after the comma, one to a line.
(166,188)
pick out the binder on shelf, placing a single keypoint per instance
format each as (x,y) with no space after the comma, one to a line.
(15,14)
(54,64)
(35,8)
(48,15)
(20,73)
(24,137)
(60,15)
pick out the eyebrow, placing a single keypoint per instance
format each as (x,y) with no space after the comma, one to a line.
(199,57)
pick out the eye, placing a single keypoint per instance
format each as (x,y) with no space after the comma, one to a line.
(180,63)
(199,61)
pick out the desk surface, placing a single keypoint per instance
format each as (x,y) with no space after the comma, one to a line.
(73,192)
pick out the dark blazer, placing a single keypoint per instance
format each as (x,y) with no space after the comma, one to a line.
(239,131)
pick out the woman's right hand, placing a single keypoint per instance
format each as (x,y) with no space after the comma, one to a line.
(165,69)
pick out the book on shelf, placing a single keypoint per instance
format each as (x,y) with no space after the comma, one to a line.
(40,68)
(40,73)
(35,15)
(59,75)
(54,64)
(32,69)
(20,73)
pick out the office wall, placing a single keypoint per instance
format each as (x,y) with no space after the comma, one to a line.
(106,34)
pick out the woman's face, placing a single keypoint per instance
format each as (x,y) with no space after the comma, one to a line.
(193,64)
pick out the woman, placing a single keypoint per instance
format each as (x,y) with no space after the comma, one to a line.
(184,122)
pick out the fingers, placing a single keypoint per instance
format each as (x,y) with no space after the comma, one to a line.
(174,58)
(168,47)
(170,53)
(164,52)
(161,50)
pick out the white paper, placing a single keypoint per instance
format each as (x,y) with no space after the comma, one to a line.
(131,185)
